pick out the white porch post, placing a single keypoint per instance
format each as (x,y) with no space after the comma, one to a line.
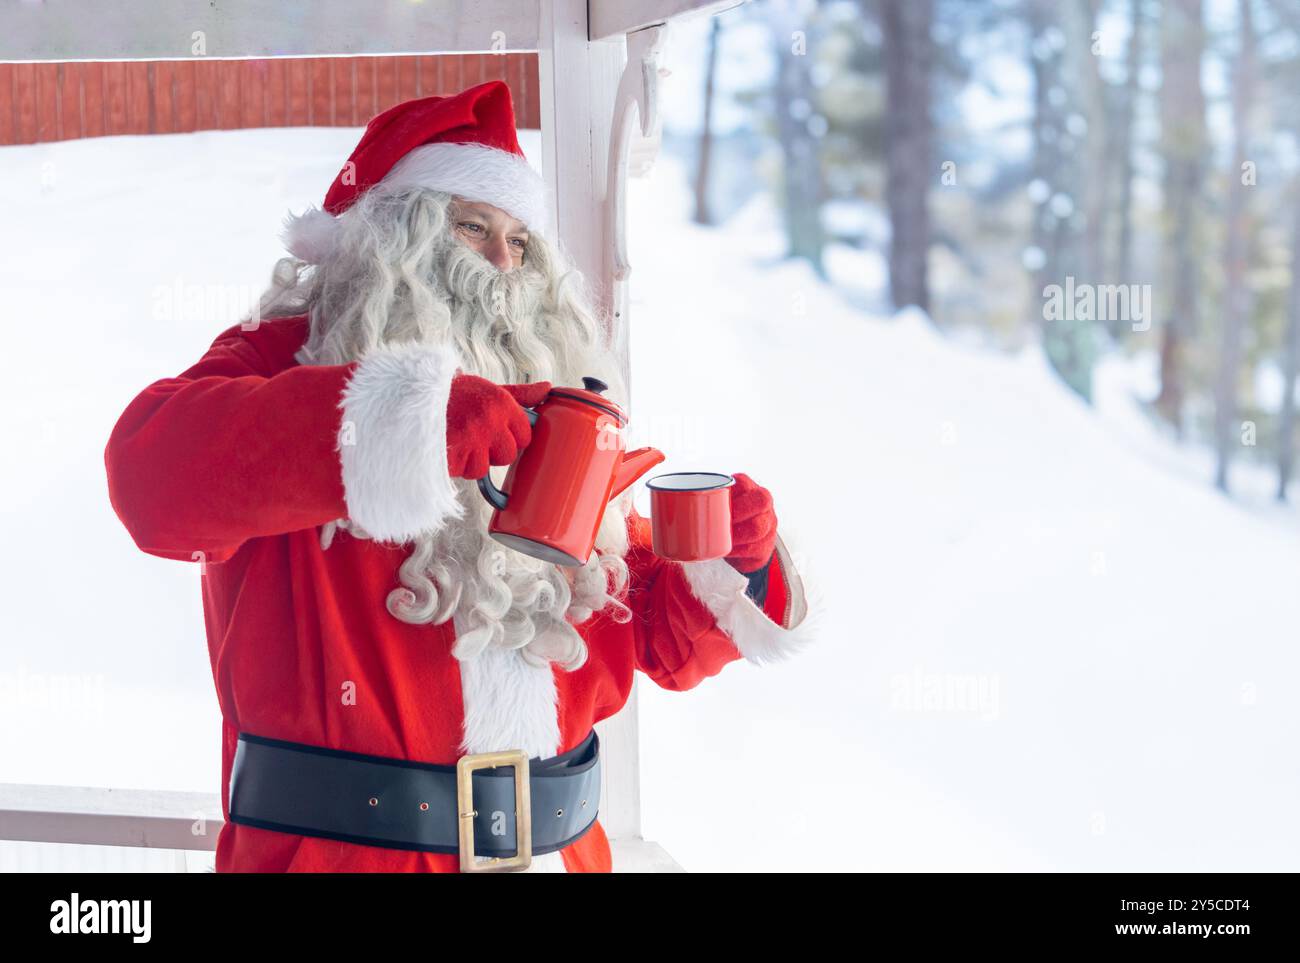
(578,81)
(599,91)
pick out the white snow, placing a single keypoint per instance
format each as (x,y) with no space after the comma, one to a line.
(1050,643)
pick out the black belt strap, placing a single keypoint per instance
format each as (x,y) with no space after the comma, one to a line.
(293,787)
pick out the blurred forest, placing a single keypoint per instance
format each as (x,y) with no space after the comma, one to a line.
(1103,175)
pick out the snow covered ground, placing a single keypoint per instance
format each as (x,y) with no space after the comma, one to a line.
(1050,644)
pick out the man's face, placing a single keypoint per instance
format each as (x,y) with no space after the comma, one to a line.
(490,231)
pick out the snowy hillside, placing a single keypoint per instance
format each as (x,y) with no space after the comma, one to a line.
(1050,644)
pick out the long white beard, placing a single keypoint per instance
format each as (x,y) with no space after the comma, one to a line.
(510,327)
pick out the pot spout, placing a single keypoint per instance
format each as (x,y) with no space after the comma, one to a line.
(634,465)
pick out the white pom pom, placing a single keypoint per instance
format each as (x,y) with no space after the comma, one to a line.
(311,236)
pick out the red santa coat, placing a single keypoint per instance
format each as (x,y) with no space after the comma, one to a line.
(236,463)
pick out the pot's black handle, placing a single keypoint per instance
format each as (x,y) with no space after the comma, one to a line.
(495,496)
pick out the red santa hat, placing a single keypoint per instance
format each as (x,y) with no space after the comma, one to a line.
(464,144)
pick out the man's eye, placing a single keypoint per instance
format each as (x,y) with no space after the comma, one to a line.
(477,227)
(520,241)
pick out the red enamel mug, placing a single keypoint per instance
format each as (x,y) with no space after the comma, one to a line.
(556,491)
(690,515)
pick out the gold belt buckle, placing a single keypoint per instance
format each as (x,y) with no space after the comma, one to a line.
(465,767)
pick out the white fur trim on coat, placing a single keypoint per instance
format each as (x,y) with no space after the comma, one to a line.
(760,640)
(393,441)
(510,704)
(477,172)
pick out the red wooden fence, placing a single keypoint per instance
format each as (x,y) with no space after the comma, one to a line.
(62,101)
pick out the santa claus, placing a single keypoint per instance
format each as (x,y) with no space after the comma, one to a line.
(370,642)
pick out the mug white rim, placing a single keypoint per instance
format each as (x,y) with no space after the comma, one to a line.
(715,480)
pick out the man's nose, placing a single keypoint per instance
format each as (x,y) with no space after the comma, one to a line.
(498,252)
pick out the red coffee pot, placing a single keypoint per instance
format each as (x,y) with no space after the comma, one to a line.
(556,491)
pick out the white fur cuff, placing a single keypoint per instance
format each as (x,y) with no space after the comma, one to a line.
(393,441)
(722,589)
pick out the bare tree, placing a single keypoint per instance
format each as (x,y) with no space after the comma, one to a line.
(909,139)
(1290,361)
(1288,13)
(794,108)
(1059,175)
(1124,149)
(702,170)
(1096,187)
(1183,144)
(1041,17)
(1235,294)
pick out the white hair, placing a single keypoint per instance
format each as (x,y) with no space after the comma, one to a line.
(397,274)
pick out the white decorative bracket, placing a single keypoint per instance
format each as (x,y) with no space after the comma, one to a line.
(637,98)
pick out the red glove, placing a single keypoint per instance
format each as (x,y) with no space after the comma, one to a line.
(486,423)
(753,525)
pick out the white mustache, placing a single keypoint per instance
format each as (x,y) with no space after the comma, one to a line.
(472,279)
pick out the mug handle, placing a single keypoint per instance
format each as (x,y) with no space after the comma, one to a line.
(495,496)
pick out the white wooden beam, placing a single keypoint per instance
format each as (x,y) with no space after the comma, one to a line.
(615,18)
(154,819)
(70,30)
(578,82)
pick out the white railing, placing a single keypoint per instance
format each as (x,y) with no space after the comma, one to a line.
(87,829)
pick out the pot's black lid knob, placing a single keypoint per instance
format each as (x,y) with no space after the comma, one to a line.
(594,384)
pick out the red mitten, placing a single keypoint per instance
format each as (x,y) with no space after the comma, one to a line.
(753,525)
(486,423)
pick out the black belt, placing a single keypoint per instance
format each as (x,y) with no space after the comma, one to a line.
(293,787)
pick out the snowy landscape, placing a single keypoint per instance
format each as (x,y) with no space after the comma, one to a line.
(1050,644)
